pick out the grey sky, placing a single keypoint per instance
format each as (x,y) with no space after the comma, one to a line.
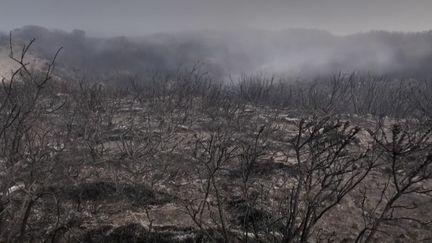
(134,17)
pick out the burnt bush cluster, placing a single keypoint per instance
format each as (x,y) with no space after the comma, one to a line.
(257,160)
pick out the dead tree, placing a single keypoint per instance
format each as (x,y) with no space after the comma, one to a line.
(328,167)
(207,211)
(406,162)
(27,152)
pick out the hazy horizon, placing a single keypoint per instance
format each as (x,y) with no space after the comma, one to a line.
(137,18)
(295,53)
(295,37)
(199,31)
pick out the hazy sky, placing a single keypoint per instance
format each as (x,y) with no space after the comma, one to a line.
(138,17)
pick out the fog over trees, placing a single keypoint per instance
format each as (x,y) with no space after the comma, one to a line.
(248,136)
(298,53)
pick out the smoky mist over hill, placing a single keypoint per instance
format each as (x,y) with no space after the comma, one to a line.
(292,53)
(215,121)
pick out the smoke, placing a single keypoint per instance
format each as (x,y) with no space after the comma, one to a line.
(294,53)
